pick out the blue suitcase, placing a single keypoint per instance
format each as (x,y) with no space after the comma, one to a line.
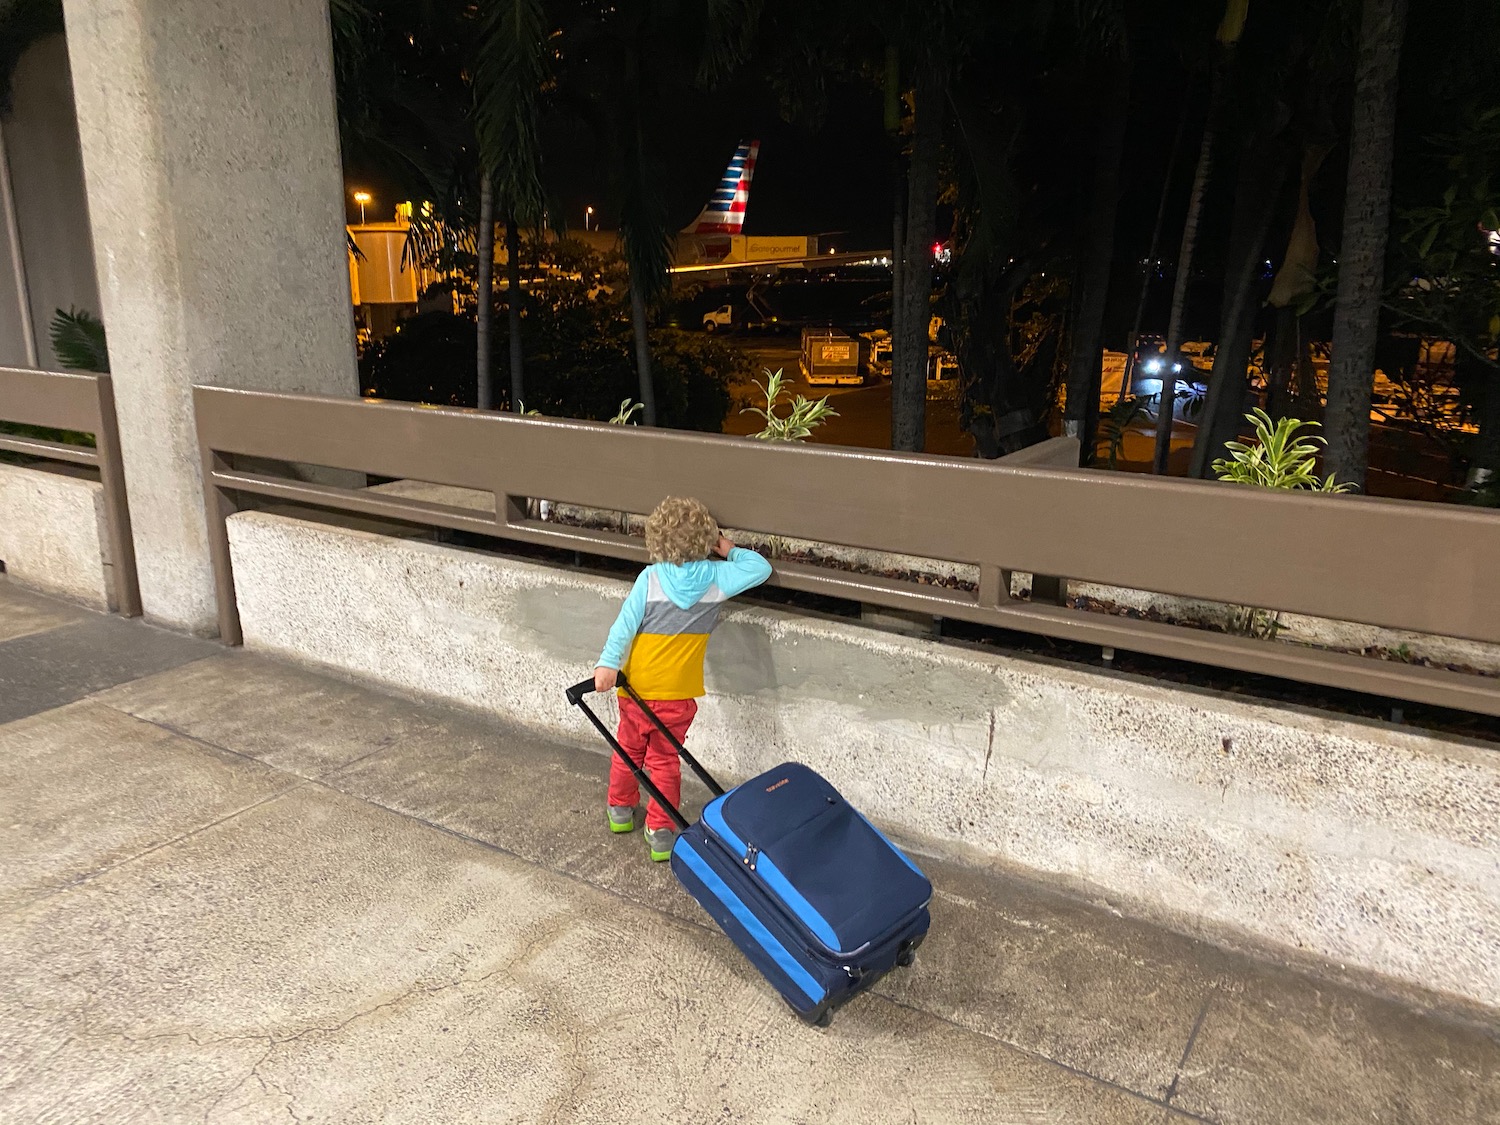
(813,894)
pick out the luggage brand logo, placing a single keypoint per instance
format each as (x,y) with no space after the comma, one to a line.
(778,785)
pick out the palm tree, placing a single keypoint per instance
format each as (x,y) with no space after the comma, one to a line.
(1228,36)
(510,77)
(1096,235)
(484,293)
(1367,213)
(627,70)
(912,312)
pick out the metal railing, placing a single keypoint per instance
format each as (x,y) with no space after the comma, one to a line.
(84,404)
(1422,567)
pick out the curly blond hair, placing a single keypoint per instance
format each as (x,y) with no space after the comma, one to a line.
(680,531)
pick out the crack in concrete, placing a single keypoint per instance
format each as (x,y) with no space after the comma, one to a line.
(1039,1056)
(90,876)
(253,1072)
(273,1043)
(990,747)
(566,1102)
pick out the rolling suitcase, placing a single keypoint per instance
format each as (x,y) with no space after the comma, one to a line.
(812,893)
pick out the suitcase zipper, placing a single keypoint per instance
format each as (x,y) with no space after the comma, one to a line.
(751,851)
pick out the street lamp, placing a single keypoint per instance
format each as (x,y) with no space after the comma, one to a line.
(361,197)
(588,214)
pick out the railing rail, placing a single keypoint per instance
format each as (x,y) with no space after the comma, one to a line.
(1425,568)
(84,404)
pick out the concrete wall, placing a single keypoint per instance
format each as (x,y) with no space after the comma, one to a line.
(51,206)
(53,534)
(1371,846)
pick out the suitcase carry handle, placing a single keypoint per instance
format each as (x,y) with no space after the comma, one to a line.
(576,695)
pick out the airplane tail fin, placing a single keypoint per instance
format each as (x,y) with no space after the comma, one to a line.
(724,213)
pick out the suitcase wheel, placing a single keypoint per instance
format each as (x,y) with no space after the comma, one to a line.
(824,1018)
(906,958)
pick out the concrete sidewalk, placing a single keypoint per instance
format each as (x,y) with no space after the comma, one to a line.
(234,891)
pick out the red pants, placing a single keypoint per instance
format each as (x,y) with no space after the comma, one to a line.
(648,747)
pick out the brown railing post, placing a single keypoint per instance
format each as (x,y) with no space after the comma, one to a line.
(116,505)
(994,584)
(218,505)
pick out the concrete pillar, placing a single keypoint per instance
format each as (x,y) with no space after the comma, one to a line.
(210,146)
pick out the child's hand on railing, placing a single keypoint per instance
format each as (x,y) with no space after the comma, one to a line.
(723,547)
(604,679)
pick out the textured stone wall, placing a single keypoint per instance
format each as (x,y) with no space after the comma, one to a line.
(53,534)
(1373,846)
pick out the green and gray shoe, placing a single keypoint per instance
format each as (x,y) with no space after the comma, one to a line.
(660,841)
(621,818)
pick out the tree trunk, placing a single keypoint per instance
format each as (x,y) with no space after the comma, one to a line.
(484,294)
(640,325)
(1281,361)
(909,346)
(513,307)
(1367,214)
(898,185)
(1484,465)
(1097,251)
(1127,380)
(1189,245)
(1257,195)
(898,253)
(1003,411)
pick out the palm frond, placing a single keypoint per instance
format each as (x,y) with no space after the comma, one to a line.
(509,76)
(730,33)
(78,341)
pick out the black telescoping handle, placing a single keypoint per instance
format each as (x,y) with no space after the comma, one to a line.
(575,697)
(697,767)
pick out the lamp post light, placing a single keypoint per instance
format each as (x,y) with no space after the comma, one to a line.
(588,216)
(361,197)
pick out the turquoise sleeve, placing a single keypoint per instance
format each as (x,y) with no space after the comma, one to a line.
(743,569)
(626,625)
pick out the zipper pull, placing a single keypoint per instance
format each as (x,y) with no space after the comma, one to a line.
(751,851)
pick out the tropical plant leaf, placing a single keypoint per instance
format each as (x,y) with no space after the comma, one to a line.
(1283,457)
(78,341)
(509,77)
(798,424)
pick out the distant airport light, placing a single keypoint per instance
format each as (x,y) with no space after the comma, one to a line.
(588,217)
(362,197)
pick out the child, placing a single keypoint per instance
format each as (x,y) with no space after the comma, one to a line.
(659,640)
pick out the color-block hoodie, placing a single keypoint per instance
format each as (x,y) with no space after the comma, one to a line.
(660,637)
